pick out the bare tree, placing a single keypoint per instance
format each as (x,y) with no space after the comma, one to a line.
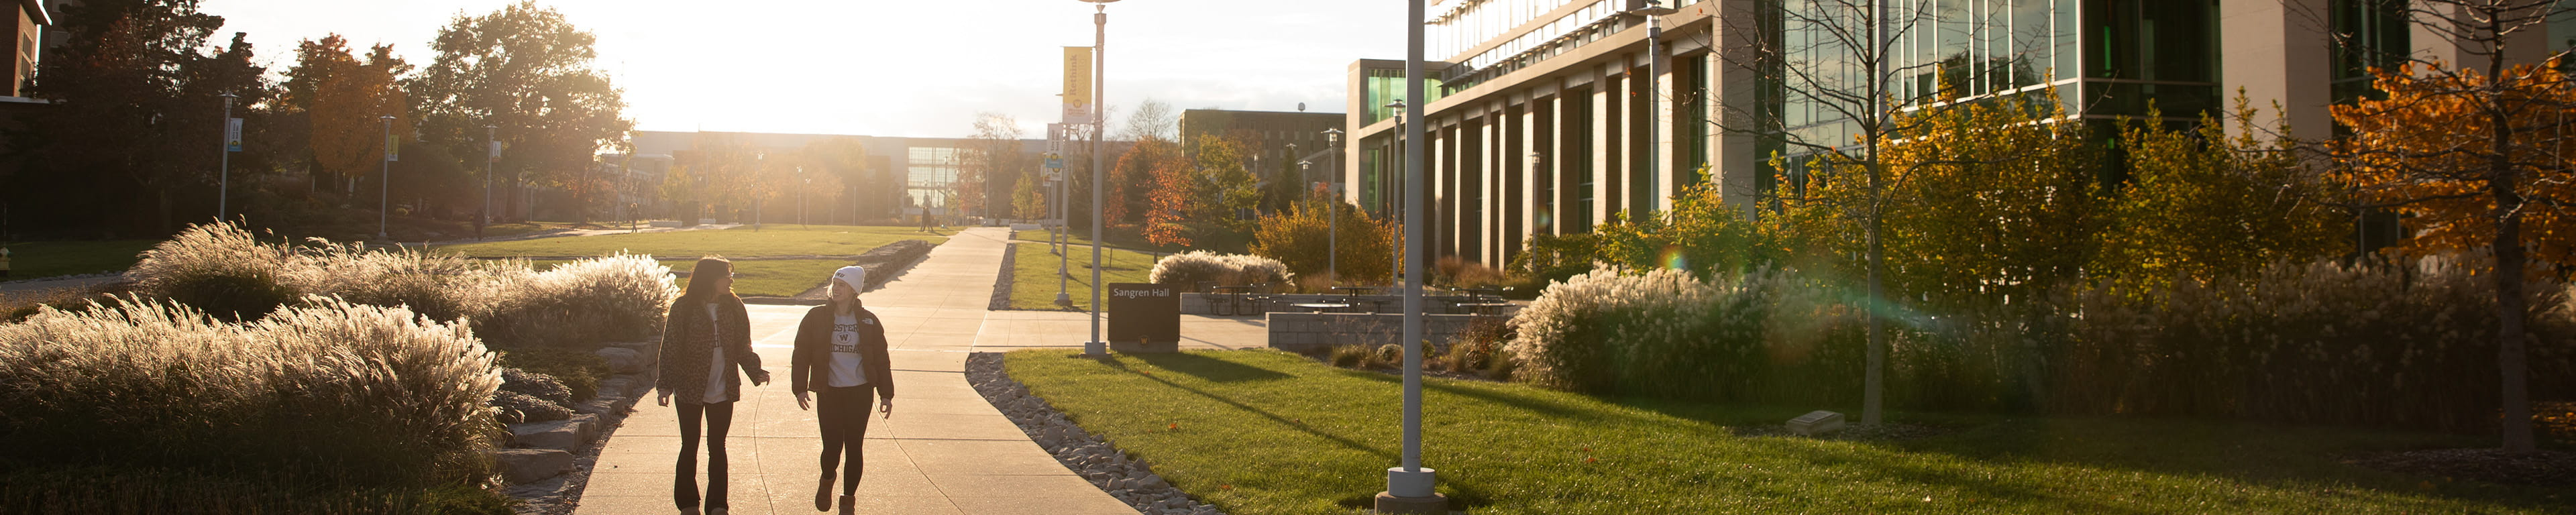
(1840,64)
(1152,119)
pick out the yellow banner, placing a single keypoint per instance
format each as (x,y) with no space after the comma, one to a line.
(1077,84)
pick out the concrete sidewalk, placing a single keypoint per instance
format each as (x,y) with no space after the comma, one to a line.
(945,451)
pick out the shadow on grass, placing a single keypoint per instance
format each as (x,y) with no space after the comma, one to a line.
(1210,369)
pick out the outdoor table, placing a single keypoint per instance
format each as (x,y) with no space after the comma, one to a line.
(1233,299)
(1487,308)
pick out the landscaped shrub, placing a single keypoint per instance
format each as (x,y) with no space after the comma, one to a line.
(536,385)
(127,490)
(219,269)
(578,371)
(1758,336)
(440,286)
(614,298)
(1458,272)
(2401,345)
(1188,269)
(518,408)
(338,394)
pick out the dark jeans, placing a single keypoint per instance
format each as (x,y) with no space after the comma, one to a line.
(844,415)
(684,481)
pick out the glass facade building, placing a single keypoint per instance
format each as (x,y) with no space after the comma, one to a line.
(1554,115)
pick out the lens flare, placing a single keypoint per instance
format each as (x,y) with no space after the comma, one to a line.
(1672,258)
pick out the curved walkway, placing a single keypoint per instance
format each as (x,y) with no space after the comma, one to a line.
(946,451)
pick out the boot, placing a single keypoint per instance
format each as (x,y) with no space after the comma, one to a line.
(823,494)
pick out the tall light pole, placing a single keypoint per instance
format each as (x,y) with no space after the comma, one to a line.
(1099,97)
(385,178)
(1332,242)
(800,195)
(1654,123)
(1333,210)
(1395,202)
(1409,487)
(224,185)
(491,154)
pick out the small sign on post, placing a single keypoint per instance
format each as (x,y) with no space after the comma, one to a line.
(1144,318)
(232,134)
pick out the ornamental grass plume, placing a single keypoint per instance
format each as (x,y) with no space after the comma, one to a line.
(331,391)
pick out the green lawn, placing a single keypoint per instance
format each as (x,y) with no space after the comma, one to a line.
(33,259)
(1263,432)
(1033,277)
(774,240)
(754,278)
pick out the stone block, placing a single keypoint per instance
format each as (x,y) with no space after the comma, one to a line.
(624,360)
(566,434)
(531,465)
(1816,423)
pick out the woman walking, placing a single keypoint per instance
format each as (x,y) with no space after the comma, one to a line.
(706,337)
(841,355)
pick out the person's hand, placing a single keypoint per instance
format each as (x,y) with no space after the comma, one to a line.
(759,377)
(663,399)
(802,403)
(886,406)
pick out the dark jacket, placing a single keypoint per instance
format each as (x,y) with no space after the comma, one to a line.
(812,368)
(689,340)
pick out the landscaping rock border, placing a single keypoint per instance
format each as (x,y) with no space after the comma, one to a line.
(1128,479)
(548,464)
(1002,282)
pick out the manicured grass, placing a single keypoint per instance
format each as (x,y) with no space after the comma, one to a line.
(34,259)
(1263,432)
(1033,277)
(755,278)
(774,240)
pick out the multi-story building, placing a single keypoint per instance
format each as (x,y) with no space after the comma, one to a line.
(924,171)
(1278,139)
(1538,117)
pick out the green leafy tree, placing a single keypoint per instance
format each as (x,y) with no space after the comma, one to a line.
(1998,202)
(136,79)
(2201,204)
(1702,234)
(1224,192)
(528,71)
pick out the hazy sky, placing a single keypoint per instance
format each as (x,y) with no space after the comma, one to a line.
(919,68)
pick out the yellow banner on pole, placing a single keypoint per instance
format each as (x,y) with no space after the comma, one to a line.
(1077,84)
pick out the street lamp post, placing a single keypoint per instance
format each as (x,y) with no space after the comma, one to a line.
(800,195)
(1099,97)
(1333,211)
(224,185)
(385,178)
(1655,123)
(1409,487)
(491,153)
(1062,276)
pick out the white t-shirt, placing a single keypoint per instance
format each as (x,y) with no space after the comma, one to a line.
(716,366)
(845,352)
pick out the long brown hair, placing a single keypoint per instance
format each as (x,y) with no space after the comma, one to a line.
(710,266)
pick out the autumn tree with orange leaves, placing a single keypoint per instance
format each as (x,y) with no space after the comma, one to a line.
(2479,154)
(345,98)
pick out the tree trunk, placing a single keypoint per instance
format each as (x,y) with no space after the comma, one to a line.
(2511,353)
(1874,380)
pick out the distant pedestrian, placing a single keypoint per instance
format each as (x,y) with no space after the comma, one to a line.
(705,338)
(841,355)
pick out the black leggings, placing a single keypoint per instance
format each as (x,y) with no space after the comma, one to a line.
(684,484)
(844,415)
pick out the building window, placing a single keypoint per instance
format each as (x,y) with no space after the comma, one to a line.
(2368,34)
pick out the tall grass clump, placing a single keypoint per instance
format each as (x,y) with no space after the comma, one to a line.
(2377,344)
(620,297)
(1668,333)
(332,393)
(218,268)
(439,286)
(1191,268)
